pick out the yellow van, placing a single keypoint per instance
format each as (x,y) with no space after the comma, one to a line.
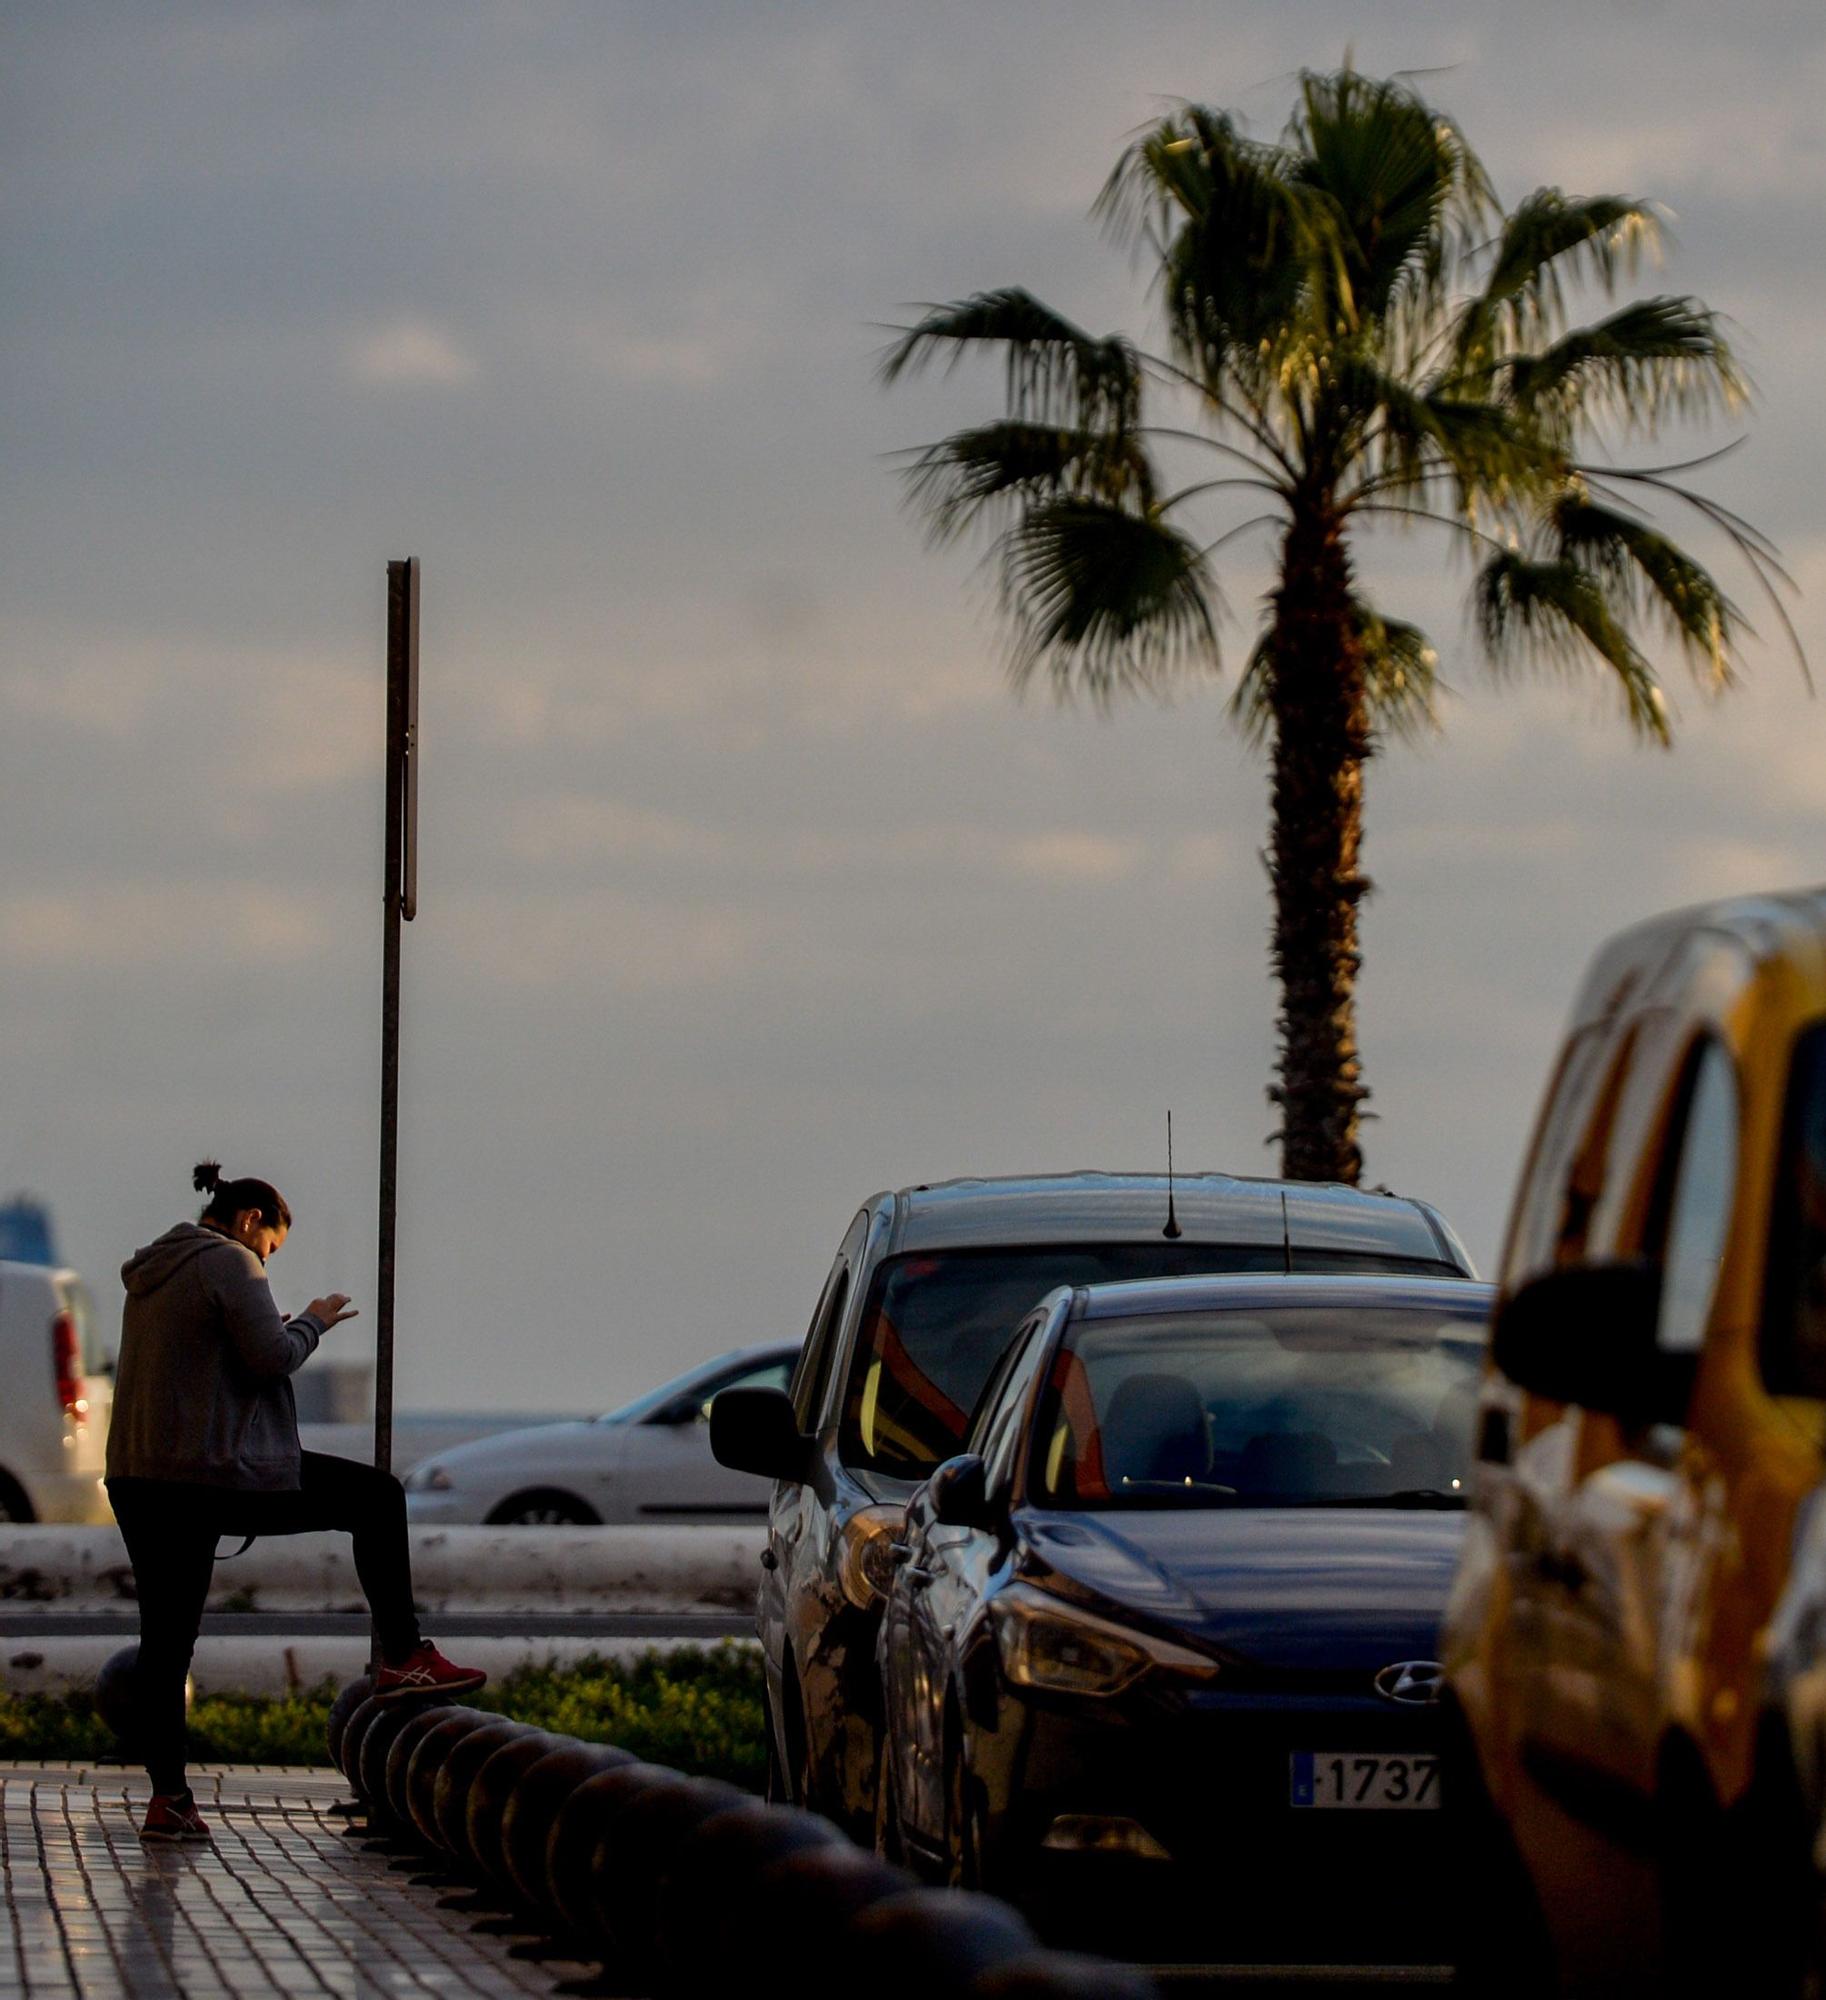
(1635,1648)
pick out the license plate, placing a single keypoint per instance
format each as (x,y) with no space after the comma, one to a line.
(1359,1783)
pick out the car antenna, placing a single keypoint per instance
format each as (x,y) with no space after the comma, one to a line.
(1172,1232)
(1286,1238)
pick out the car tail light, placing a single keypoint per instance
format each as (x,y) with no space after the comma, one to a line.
(66,1365)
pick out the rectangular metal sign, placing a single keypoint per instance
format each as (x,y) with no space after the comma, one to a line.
(409,850)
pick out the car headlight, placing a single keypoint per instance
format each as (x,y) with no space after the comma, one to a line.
(1047,1643)
(428,1479)
(865,1562)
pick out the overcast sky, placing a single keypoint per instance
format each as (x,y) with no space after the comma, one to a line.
(747,887)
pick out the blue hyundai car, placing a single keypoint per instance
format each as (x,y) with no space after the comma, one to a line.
(1159,1656)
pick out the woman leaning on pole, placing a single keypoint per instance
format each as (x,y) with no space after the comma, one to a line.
(203,1443)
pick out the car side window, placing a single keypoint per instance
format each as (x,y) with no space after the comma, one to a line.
(813,1371)
(766,1375)
(1700,1199)
(1003,1434)
(1794,1286)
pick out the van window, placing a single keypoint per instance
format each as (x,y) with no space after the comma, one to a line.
(1794,1287)
(1542,1218)
(1703,1193)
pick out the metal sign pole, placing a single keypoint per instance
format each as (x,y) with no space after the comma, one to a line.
(400,903)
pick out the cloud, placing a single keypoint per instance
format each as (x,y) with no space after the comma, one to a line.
(597,942)
(139,927)
(220,715)
(576,824)
(410,354)
(1068,857)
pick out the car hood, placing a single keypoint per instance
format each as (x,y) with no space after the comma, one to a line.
(542,1439)
(1286,1589)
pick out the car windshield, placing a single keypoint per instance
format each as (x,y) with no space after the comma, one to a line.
(1302,1405)
(643,1407)
(935,1324)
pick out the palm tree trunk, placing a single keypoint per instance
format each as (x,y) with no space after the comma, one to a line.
(1321,739)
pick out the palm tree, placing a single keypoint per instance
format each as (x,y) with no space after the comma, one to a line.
(1357,333)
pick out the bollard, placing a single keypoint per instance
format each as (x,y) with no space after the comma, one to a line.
(533,1808)
(392,1788)
(676,1877)
(710,1907)
(368,1764)
(365,1716)
(344,1706)
(450,1794)
(1062,1975)
(927,1941)
(815,1892)
(424,1764)
(577,1830)
(489,1793)
(637,1848)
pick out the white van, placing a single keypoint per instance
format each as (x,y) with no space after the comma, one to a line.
(59,1389)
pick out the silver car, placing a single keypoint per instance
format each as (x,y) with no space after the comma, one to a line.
(646,1462)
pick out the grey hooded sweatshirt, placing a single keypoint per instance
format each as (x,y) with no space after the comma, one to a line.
(204,1392)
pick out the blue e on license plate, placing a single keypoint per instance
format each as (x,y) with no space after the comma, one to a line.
(1343,1781)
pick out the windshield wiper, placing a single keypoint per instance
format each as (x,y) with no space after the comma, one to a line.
(1176,1486)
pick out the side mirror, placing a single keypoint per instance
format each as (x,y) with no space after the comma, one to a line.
(956,1494)
(757,1430)
(1586,1335)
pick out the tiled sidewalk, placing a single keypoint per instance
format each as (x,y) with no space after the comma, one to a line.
(283,1901)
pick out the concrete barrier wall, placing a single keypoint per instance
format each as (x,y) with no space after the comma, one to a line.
(272,1664)
(57,1571)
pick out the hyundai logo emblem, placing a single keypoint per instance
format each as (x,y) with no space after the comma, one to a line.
(1413,1682)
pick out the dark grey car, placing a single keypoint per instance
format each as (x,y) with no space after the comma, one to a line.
(927,1287)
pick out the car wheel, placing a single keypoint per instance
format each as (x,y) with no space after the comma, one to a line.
(14,1506)
(545,1507)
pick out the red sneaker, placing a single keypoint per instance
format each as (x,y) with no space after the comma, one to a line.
(426,1671)
(173,1816)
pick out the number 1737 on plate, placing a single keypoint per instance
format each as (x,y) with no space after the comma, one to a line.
(1363,1782)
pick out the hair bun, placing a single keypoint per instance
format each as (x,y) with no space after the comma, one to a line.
(206,1177)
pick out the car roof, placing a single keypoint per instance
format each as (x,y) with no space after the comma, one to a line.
(1255,1291)
(1209,1207)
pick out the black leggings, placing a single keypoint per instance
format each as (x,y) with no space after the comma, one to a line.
(171,1531)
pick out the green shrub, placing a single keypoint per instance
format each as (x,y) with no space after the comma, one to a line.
(699,1710)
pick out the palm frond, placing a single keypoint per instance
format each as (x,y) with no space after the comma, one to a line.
(1549,614)
(1413,436)
(1644,569)
(1057,373)
(1649,360)
(1400,674)
(1400,179)
(1107,602)
(1241,245)
(954,482)
(1543,239)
